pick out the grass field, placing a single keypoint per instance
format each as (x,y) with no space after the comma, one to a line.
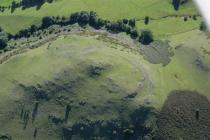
(99,74)
(111,10)
(163,28)
(111,82)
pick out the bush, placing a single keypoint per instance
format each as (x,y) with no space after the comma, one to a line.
(132,22)
(125,21)
(176,4)
(47,21)
(203,26)
(83,18)
(134,34)
(185,18)
(3,44)
(146,20)
(194,17)
(146,37)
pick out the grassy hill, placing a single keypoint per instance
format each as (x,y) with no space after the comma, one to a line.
(79,83)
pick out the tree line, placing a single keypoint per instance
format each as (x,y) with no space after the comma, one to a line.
(28,3)
(178,3)
(85,18)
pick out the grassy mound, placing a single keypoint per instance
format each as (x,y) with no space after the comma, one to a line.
(185,115)
(82,73)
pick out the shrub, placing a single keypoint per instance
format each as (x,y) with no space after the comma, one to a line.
(146,37)
(146,20)
(3,44)
(194,17)
(203,26)
(134,34)
(47,21)
(125,21)
(176,4)
(185,18)
(132,22)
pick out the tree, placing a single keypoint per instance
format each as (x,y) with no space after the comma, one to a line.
(146,20)
(74,17)
(3,44)
(132,22)
(83,18)
(176,4)
(125,21)
(185,18)
(203,26)
(13,6)
(134,34)
(146,37)
(47,21)
(194,17)
(92,18)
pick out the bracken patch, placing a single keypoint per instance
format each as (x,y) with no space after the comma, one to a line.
(185,115)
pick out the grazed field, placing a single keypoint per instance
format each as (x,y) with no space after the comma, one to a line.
(111,10)
(71,82)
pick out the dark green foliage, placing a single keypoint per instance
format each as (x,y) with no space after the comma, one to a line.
(203,26)
(194,17)
(25,118)
(35,110)
(141,124)
(197,114)
(4,38)
(132,22)
(14,6)
(185,18)
(185,115)
(93,19)
(176,4)
(134,34)
(3,44)
(146,37)
(2,8)
(125,21)
(74,17)
(27,4)
(83,18)
(31,3)
(55,120)
(5,137)
(146,20)
(35,132)
(68,109)
(47,21)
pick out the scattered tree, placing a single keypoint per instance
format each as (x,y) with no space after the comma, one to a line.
(194,17)
(146,37)
(3,44)
(185,18)
(146,20)
(176,4)
(47,21)
(203,26)
(134,34)
(132,22)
